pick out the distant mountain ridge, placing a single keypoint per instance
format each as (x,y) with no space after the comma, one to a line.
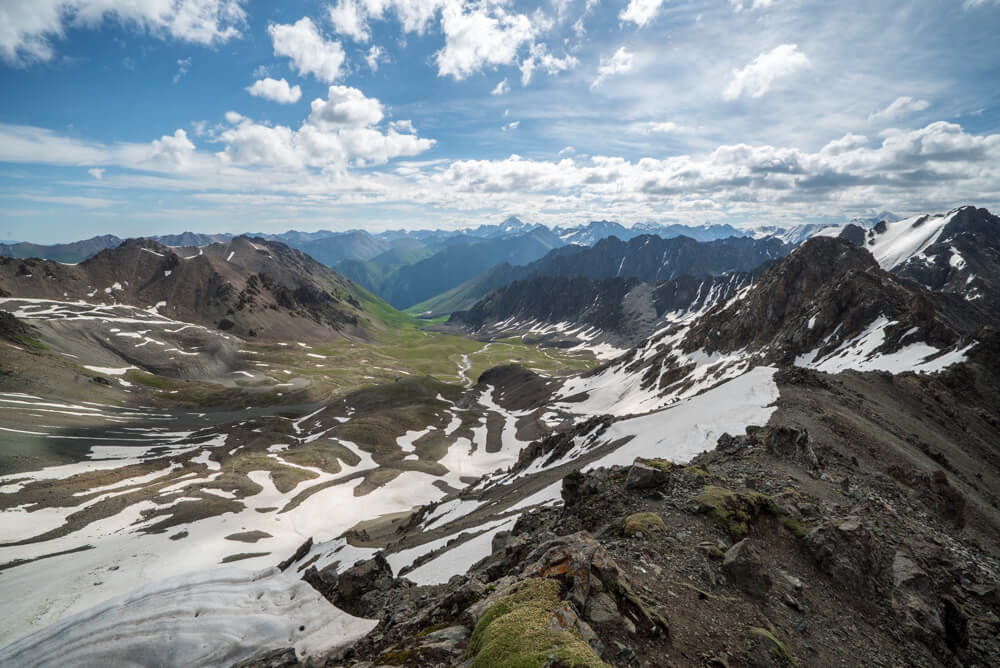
(250,287)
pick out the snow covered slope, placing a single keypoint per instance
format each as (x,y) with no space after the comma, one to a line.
(892,244)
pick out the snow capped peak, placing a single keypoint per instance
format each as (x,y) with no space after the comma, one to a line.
(893,243)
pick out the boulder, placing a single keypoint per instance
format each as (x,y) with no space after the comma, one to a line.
(743,566)
(645,475)
(847,551)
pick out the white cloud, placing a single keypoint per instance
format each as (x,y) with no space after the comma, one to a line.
(501,88)
(513,125)
(182,68)
(568,150)
(27,29)
(620,62)
(403,127)
(346,106)
(309,51)
(350,19)
(640,12)
(276,90)
(539,57)
(374,56)
(900,107)
(757,77)
(173,151)
(97,172)
(478,36)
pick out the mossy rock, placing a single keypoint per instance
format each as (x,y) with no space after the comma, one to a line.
(734,511)
(514,632)
(646,523)
(770,652)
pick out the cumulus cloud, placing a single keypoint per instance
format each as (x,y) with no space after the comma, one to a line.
(308,50)
(620,62)
(276,90)
(173,151)
(479,36)
(349,18)
(340,131)
(756,78)
(28,29)
(97,172)
(941,155)
(901,106)
(640,12)
(501,88)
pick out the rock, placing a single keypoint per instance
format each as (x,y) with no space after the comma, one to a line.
(768,651)
(744,568)
(356,590)
(278,658)
(565,618)
(302,551)
(848,552)
(643,523)
(793,444)
(601,609)
(915,600)
(501,540)
(581,562)
(642,475)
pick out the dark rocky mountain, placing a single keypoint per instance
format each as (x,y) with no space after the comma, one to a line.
(648,258)
(619,311)
(964,259)
(250,287)
(652,259)
(191,239)
(70,253)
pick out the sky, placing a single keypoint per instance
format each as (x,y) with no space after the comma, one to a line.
(139,117)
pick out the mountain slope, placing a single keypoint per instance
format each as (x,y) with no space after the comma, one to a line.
(251,288)
(648,258)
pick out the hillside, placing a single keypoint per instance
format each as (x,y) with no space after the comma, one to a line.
(251,288)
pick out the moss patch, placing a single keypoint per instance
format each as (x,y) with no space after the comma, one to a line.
(794,527)
(514,632)
(646,523)
(734,511)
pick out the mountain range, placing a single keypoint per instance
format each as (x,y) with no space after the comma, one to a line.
(730,452)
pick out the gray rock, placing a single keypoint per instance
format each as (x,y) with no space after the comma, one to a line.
(848,552)
(601,609)
(644,476)
(745,569)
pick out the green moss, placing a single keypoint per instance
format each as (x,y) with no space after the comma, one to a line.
(794,527)
(646,523)
(514,632)
(733,511)
(772,645)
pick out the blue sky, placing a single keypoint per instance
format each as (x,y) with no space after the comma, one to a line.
(140,117)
